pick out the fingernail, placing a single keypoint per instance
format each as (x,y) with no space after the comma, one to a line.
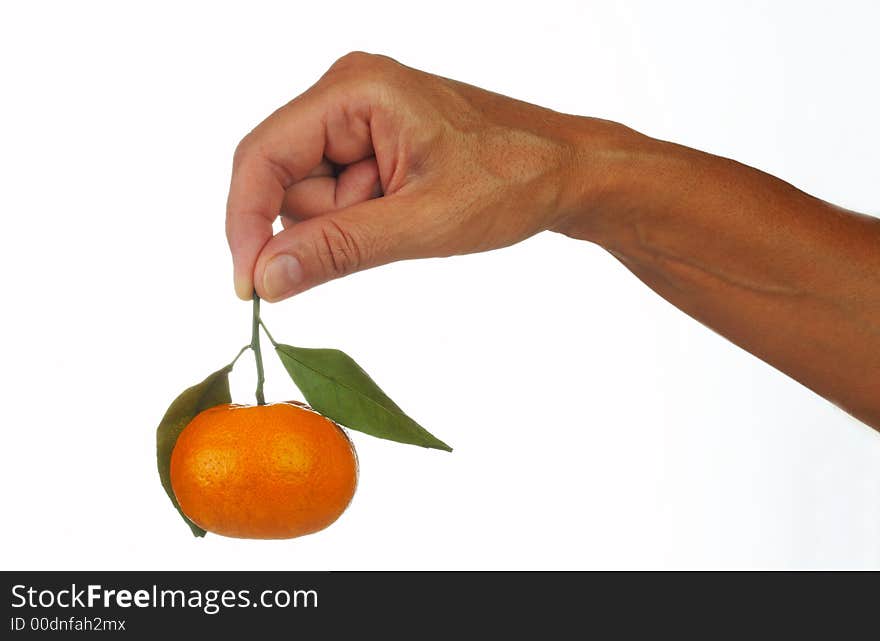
(282,274)
(244,288)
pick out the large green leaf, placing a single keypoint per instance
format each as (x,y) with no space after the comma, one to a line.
(336,386)
(212,391)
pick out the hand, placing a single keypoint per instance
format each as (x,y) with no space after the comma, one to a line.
(378,162)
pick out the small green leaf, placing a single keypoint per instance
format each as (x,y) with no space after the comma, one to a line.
(212,391)
(336,386)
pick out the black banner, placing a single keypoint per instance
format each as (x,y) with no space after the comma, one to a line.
(425,603)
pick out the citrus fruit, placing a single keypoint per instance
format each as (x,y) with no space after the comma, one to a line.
(264,472)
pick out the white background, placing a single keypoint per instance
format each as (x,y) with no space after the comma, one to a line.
(595,426)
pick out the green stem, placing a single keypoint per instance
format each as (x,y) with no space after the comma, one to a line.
(268,333)
(255,345)
(237,356)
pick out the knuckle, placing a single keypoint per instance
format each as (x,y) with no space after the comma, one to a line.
(338,250)
(363,69)
(357,59)
(243,150)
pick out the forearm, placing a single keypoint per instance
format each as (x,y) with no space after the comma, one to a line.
(789,278)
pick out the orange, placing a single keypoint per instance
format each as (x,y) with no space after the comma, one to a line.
(263,472)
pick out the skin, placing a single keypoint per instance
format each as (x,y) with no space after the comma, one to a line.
(379,162)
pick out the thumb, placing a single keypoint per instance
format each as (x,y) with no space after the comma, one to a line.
(335,244)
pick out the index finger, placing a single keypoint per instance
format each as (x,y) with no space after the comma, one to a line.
(281,150)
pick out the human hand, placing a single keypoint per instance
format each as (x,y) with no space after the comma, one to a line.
(378,162)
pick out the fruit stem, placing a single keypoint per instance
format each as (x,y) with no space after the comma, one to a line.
(255,345)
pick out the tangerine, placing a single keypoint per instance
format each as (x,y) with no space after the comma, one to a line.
(271,471)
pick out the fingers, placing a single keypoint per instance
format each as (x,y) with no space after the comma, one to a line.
(322,192)
(286,148)
(266,163)
(325,247)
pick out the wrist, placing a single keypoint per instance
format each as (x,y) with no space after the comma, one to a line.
(615,173)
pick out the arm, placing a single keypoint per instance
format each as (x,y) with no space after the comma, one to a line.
(378,162)
(792,279)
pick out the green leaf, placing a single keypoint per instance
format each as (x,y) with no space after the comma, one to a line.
(336,386)
(212,391)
